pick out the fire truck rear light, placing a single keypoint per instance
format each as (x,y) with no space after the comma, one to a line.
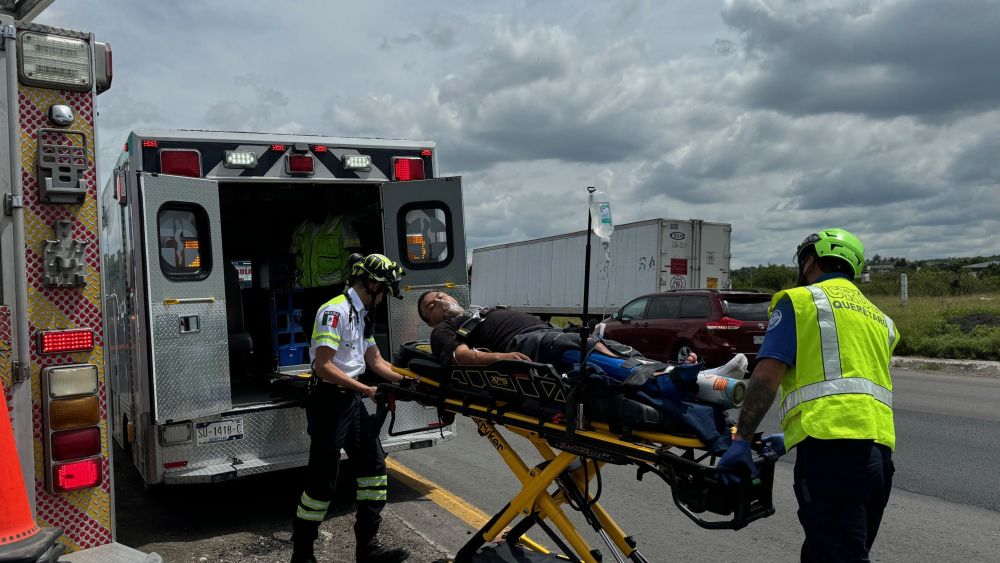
(299,164)
(175,434)
(150,143)
(357,162)
(65,414)
(405,169)
(278,148)
(74,444)
(71,380)
(240,159)
(319,148)
(77,475)
(426,152)
(180,162)
(73,340)
(175,464)
(49,60)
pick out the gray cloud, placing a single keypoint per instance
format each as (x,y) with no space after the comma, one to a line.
(879,58)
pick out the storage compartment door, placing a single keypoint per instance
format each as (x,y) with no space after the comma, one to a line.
(425,234)
(187,298)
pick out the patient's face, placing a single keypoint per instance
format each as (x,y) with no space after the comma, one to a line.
(438,306)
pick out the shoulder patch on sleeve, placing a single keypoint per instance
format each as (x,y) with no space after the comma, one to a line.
(330,319)
(775,319)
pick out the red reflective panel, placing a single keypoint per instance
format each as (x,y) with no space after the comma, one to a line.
(77,475)
(73,444)
(150,144)
(406,169)
(300,164)
(66,340)
(181,163)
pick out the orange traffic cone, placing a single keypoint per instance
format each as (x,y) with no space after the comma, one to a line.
(20,538)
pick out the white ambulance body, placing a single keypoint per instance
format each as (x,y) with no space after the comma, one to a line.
(208,331)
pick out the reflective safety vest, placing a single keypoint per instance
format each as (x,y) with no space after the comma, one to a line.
(321,251)
(839,386)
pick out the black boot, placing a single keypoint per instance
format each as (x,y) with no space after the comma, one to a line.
(375,552)
(303,558)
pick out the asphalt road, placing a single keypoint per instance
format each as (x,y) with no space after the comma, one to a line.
(945,504)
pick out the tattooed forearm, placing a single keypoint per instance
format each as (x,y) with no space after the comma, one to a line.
(758,400)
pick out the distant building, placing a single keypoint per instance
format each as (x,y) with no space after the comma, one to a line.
(881,268)
(981,265)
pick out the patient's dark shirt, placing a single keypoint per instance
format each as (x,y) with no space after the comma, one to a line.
(494,333)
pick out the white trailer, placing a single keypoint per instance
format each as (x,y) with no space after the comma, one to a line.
(207,329)
(545,276)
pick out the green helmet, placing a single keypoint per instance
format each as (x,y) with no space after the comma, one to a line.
(836,243)
(378,268)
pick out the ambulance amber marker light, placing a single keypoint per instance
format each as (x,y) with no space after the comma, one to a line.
(75,340)
(77,475)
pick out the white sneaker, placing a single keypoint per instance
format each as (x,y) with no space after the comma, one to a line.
(735,368)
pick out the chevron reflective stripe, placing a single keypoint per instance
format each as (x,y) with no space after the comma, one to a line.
(371,494)
(842,386)
(892,331)
(827,334)
(376,481)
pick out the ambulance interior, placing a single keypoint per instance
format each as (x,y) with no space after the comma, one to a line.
(270,317)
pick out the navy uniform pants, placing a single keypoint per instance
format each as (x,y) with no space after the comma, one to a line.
(843,488)
(338,419)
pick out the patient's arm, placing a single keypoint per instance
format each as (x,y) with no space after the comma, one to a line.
(471,356)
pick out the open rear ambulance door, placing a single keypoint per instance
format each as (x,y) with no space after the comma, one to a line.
(424,233)
(186,305)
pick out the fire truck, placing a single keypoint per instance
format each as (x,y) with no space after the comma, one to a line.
(52,331)
(209,310)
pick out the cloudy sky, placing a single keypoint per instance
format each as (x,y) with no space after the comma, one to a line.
(777,116)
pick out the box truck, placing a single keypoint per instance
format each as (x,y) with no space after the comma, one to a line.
(545,276)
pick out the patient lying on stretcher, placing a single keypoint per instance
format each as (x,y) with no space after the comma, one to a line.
(487,335)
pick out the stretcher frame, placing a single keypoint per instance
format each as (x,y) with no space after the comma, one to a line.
(582,453)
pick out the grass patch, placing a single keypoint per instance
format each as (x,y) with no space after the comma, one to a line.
(958,327)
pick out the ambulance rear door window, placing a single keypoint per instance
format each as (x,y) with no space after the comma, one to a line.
(183,238)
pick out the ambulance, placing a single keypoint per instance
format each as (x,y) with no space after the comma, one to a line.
(210,295)
(52,332)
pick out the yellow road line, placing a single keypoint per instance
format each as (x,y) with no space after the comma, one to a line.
(447,500)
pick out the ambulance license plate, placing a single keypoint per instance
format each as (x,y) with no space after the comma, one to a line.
(758,339)
(220,430)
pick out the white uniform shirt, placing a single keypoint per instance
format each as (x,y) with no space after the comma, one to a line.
(336,329)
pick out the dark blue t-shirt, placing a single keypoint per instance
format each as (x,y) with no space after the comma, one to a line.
(779,341)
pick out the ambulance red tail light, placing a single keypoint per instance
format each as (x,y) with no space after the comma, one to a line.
(76,475)
(299,164)
(180,162)
(405,169)
(73,340)
(71,422)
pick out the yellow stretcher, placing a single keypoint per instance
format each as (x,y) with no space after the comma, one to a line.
(534,401)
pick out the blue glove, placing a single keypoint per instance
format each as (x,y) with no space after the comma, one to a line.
(738,455)
(774,443)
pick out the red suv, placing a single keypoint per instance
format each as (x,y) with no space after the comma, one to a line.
(715,324)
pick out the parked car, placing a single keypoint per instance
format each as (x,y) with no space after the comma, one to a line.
(716,324)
